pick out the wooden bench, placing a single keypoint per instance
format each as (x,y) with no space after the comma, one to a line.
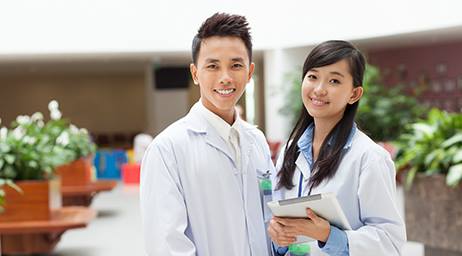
(82,195)
(41,236)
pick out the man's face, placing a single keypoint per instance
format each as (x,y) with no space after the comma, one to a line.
(222,72)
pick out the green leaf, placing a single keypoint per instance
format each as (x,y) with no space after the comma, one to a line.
(410,176)
(453,140)
(13,186)
(10,159)
(423,128)
(457,156)
(4,148)
(454,175)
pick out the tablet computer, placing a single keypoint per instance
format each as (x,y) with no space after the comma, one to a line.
(325,205)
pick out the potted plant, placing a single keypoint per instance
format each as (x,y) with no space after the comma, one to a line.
(79,147)
(430,157)
(33,220)
(28,157)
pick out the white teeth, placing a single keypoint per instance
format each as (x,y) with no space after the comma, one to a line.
(224,91)
(318,102)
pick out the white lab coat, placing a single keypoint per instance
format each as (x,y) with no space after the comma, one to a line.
(191,200)
(366,190)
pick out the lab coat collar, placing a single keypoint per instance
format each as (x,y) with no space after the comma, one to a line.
(195,122)
(303,166)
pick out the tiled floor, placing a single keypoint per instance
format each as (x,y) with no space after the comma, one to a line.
(115,232)
(117,229)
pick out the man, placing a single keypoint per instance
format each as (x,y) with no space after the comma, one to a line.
(200,177)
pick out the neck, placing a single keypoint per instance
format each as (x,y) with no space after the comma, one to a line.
(227,115)
(322,128)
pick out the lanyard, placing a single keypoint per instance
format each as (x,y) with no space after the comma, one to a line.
(300,186)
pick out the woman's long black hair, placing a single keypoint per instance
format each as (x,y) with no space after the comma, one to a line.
(329,158)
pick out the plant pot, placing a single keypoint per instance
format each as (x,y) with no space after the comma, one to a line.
(76,173)
(433,211)
(36,201)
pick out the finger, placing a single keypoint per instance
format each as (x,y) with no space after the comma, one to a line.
(280,238)
(285,221)
(278,219)
(285,240)
(272,233)
(277,227)
(312,215)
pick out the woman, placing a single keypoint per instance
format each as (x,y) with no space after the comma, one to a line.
(326,152)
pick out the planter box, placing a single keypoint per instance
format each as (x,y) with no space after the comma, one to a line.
(35,202)
(433,211)
(78,172)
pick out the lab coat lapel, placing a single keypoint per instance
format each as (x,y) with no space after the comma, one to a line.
(214,140)
(198,124)
(247,146)
(303,166)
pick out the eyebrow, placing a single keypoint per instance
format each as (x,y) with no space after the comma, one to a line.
(209,60)
(238,59)
(333,72)
(337,73)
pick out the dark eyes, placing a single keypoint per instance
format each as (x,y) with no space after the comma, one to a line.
(334,81)
(234,66)
(311,76)
(331,81)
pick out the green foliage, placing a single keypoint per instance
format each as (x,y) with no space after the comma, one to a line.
(433,146)
(292,101)
(384,112)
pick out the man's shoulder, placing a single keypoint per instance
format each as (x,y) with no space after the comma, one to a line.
(175,133)
(252,130)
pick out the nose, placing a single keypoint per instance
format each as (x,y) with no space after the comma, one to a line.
(226,79)
(320,89)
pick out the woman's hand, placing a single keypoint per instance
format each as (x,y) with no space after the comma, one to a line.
(313,226)
(278,235)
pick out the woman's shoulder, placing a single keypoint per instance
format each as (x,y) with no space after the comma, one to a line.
(364,146)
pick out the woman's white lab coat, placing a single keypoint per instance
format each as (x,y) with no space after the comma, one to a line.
(193,198)
(366,190)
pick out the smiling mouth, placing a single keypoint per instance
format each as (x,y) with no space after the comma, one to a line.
(224,91)
(318,102)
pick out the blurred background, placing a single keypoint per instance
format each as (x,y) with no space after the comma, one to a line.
(121,68)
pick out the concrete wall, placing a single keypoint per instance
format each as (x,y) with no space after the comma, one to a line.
(277,63)
(102,102)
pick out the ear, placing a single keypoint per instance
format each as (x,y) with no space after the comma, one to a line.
(193,70)
(251,69)
(356,94)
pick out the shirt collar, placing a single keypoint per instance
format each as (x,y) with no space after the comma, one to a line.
(220,125)
(306,141)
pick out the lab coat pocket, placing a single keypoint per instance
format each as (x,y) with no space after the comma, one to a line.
(264,182)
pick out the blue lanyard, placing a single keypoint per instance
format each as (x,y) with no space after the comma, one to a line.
(300,183)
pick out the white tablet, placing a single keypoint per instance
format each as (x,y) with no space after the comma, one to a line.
(324,205)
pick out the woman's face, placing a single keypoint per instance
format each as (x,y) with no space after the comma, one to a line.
(327,90)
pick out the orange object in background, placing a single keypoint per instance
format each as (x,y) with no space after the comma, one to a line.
(131,173)
(35,202)
(76,173)
(274,149)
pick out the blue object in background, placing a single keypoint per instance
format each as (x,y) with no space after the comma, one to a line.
(108,163)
